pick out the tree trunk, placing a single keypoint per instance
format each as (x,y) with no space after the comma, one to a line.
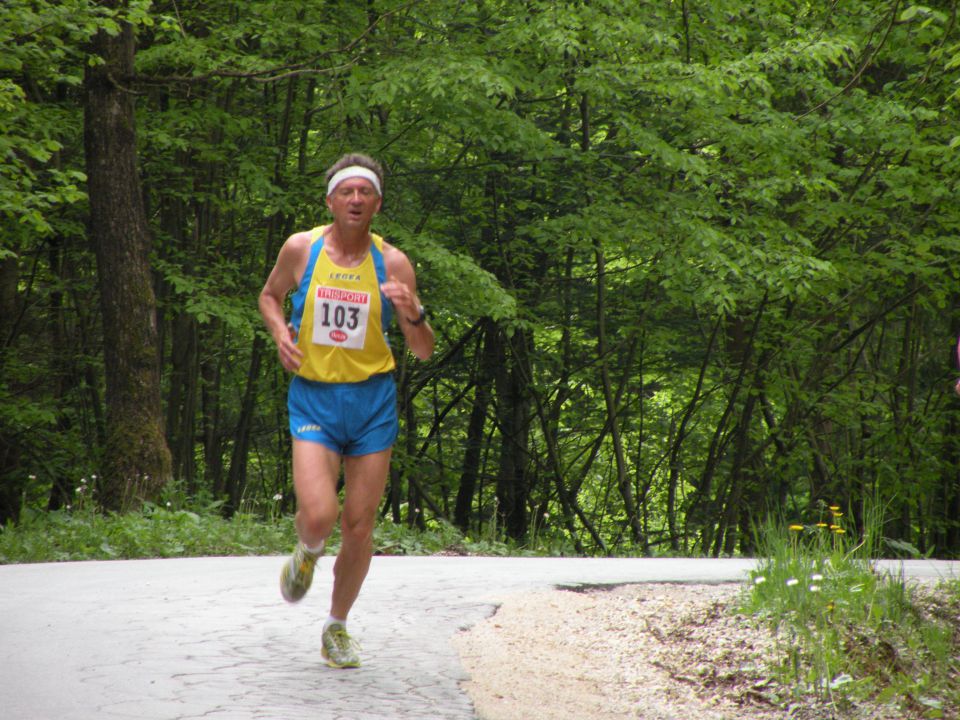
(237,475)
(11,475)
(136,460)
(613,419)
(729,502)
(512,418)
(478,419)
(212,418)
(677,438)
(183,368)
(182,399)
(9,278)
(66,373)
(740,347)
(569,505)
(415,497)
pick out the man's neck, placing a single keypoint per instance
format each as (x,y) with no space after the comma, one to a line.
(348,243)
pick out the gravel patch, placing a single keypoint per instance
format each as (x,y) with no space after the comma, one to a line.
(651,652)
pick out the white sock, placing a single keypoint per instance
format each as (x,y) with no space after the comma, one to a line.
(334,621)
(317,550)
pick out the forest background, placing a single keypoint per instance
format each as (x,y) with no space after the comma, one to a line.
(689,263)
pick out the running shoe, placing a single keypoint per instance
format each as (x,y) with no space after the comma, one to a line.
(297,574)
(339,649)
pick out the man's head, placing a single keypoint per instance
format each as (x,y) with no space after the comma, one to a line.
(354,165)
(354,190)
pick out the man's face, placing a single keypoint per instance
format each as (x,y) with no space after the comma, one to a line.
(354,201)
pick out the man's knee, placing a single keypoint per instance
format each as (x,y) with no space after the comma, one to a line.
(316,520)
(357,528)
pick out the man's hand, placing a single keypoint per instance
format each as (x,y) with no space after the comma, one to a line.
(401,290)
(404,300)
(290,354)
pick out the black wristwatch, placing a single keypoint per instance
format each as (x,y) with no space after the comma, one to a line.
(420,319)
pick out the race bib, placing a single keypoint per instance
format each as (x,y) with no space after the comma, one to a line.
(340,317)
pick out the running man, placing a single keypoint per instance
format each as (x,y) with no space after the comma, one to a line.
(347,284)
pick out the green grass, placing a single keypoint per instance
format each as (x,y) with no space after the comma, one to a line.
(155,532)
(161,532)
(847,633)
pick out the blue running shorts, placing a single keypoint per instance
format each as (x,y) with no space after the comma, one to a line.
(349,418)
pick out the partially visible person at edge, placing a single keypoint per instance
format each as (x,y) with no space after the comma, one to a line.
(347,284)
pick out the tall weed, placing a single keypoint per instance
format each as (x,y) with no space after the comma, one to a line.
(846,631)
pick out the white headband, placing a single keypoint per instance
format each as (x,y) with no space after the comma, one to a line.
(354,171)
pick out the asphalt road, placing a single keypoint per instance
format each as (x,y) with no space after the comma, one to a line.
(211,637)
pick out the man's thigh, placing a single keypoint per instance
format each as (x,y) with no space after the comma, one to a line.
(365,478)
(316,469)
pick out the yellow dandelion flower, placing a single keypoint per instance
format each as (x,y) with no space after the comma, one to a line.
(838,515)
(838,530)
(822,525)
(796,527)
(834,508)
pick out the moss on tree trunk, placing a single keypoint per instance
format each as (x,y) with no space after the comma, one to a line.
(136,460)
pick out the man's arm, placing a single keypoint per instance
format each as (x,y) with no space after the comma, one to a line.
(282,279)
(401,289)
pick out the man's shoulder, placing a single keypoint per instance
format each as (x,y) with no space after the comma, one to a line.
(299,240)
(396,259)
(392,252)
(308,235)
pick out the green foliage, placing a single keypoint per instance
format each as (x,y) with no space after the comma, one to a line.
(771,190)
(439,537)
(475,287)
(42,50)
(210,295)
